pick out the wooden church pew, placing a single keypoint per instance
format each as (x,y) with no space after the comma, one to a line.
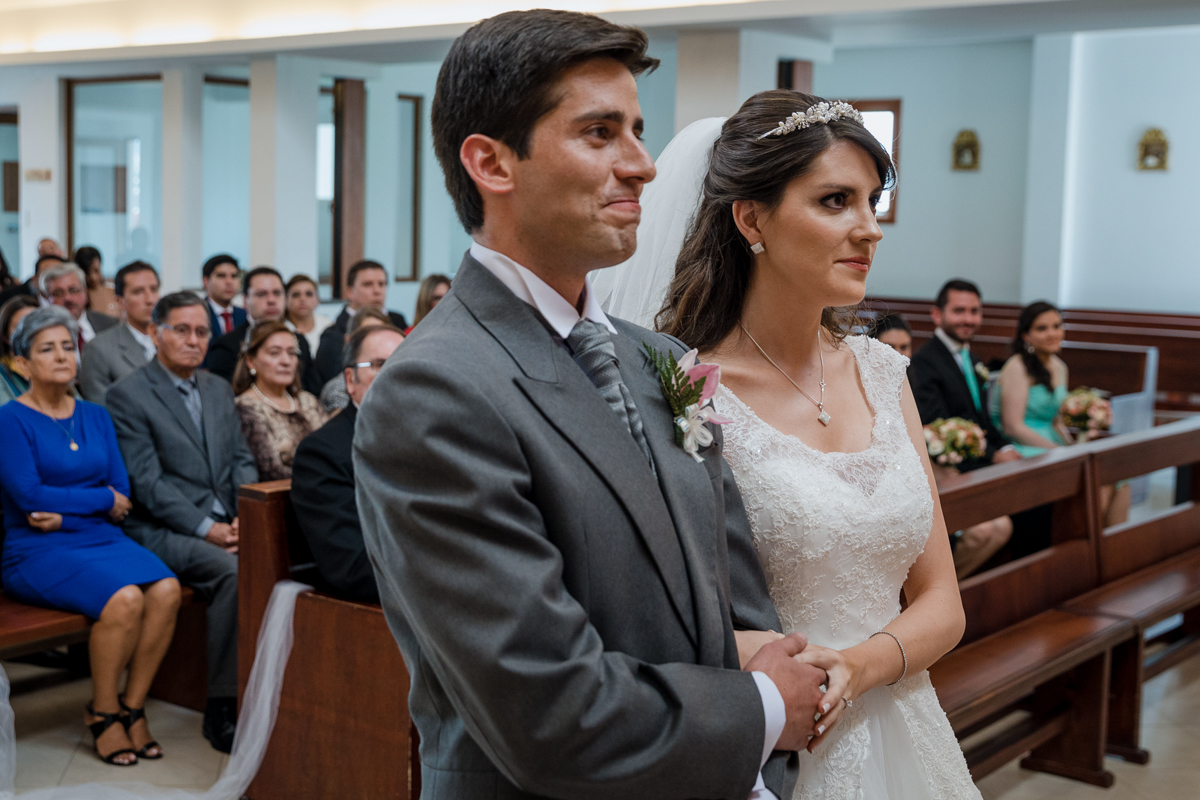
(1150,572)
(343,729)
(1020,652)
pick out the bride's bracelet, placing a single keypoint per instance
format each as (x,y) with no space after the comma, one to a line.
(903,654)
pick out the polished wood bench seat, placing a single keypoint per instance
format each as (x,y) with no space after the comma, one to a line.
(1054,665)
(30,629)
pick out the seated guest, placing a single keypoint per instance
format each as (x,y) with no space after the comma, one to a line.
(120,350)
(30,287)
(433,289)
(220,275)
(323,474)
(66,286)
(13,379)
(366,286)
(64,490)
(101,296)
(265,301)
(1033,383)
(333,394)
(274,411)
(302,315)
(947,379)
(180,436)
(50,247)
(892,330)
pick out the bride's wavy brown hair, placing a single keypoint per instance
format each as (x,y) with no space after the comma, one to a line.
(706,296)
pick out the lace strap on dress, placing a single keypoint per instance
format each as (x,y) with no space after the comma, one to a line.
(882,369)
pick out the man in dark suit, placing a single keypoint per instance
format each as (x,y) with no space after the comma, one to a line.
(568,586)
(947,379)
(65,285)
(221,275)
(366,285)
(123,348)
(323,474)
(182,442)
(265,299)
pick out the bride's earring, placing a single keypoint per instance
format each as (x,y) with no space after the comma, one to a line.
(253,372)
(1029,349)
(757,248)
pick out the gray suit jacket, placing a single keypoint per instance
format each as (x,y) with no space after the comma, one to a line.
(566,619)
(109,357)
(100,322)
(173,474)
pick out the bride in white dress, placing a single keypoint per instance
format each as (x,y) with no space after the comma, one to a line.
(824,436)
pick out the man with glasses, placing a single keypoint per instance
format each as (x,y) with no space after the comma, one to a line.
(323,474)
(182,442)
(65,285)
(265,300)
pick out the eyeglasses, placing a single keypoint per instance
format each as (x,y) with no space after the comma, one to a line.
(376,365)
(59,294)
(186,331)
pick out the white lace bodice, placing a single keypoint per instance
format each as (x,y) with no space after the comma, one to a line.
(836,532)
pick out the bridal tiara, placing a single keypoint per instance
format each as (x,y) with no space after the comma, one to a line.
(820,113)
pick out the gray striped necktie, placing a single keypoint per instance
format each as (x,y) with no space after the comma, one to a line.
(592,348)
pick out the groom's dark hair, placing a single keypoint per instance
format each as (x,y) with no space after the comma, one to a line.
(498,80)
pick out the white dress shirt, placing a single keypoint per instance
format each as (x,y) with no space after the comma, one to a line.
(562,317)
(219,309)
(955,347)
(145,340)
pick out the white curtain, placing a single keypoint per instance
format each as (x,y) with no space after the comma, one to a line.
(255,722)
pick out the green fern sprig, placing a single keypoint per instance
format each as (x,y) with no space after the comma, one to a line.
(678,390)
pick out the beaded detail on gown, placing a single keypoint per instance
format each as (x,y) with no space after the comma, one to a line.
(836,534)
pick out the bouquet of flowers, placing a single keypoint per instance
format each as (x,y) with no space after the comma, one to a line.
(1087,411)
(952,441)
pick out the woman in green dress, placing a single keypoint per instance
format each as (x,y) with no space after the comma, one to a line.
(1033,383)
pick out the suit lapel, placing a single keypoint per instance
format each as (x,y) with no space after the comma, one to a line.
(558,388)
(131,351)
(210,414)
(169,395)
(686,487)
(950,363)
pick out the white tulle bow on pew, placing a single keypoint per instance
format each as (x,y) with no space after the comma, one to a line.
(255,722)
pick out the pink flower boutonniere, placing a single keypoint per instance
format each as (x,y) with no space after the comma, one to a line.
(688,388)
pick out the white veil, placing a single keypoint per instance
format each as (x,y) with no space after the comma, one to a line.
(259,708)
(635,289)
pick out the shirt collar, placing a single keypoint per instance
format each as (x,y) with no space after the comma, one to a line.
(528,287)
(219,309)
(144,339)
(955,348)
(85,327)
(182,382)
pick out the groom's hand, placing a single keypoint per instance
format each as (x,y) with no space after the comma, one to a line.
(750,642)
(799,684)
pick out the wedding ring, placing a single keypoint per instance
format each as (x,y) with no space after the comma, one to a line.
(849,703)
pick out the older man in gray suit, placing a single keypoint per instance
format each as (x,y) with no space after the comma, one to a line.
(122,349)
(179,433)
(572,592)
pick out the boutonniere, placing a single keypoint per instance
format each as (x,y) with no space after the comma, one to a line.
(688,388)
(982,371)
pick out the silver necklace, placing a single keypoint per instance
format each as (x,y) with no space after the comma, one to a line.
(823,417)
(271,403)
(70,433)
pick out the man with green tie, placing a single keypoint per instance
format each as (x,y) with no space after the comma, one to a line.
(947,379)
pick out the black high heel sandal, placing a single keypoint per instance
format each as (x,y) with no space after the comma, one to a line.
(132,715)
(98,728)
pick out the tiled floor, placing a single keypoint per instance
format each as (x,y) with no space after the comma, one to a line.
(52,748)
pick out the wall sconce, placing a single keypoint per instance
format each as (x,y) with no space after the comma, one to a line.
(1152,150)
(966,151)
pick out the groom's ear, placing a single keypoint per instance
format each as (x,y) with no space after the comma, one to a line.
(745,216)
(489,162)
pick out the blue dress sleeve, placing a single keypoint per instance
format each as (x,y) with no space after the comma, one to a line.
(21,479)
(118,476)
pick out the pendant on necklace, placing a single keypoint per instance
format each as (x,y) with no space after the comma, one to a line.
(824,418)
(73,445)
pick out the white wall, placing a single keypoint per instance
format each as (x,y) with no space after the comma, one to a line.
(1133,232)
(226,175)
(948,224)
(656,95)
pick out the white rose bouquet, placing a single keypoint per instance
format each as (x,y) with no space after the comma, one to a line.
(954,440)
(1087,411)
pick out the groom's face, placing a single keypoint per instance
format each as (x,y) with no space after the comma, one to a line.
(577,192)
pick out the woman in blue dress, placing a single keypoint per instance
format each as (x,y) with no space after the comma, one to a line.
(65,490)
(1033,383)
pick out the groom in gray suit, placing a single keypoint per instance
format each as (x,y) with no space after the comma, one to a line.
(569,588)
(179,434)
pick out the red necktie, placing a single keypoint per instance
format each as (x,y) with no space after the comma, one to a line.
(79,342)
(227,320)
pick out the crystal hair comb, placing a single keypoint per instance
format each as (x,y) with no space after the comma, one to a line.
(820,113)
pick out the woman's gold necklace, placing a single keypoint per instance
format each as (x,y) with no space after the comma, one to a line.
(70,433)
(822,417)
